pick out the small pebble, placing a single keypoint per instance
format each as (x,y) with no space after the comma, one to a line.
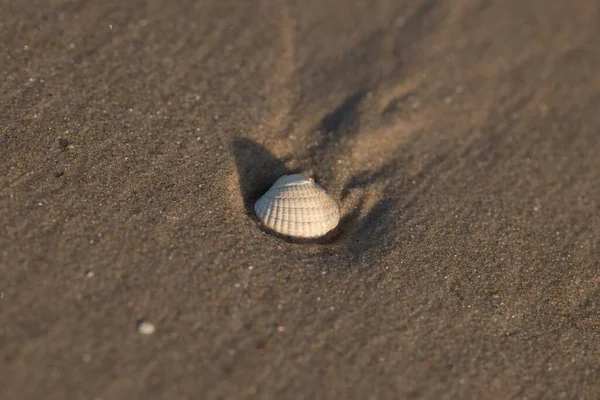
(65,144)
(146,328)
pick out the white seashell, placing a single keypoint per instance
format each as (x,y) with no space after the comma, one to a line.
(296,206)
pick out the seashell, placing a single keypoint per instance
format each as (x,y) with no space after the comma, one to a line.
(296,206)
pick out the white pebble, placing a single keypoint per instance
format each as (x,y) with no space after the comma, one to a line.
(146,328)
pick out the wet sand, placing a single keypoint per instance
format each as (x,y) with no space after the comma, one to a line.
(461,140)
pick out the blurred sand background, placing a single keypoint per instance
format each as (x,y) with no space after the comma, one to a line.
(461,139)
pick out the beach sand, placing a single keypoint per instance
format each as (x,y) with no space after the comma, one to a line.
(460,139)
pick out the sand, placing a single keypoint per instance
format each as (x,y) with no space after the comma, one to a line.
(461,140)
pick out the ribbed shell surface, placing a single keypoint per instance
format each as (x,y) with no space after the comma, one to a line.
(296,206)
